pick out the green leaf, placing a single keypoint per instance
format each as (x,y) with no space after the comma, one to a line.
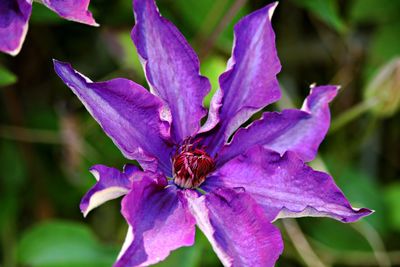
(130,57)
(195,19)
(392,197)
(63,244)
(384,45)
(361,190)
(335,235)
(372,11)
(13,167)
(212,68)
(325,10)
(6,77)
(42,15)
(225,40)
(207,17)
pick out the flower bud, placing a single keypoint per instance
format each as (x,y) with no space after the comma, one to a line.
(385,89)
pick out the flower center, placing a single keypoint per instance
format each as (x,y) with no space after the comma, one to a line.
(191,165)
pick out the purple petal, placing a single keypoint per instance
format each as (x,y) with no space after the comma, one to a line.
(300,131)
(111,183)
(239,231)
(75,10)
(286,184)
(171,67)
(250,82)
(128,113)
(159,222)
(14,17)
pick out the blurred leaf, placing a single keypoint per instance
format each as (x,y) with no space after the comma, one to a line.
(121,47)
(195,19)
(374,11)
(6,77)
(325,10)
(42,15)
(13,173)
(384,45)
(63,244)
(334,234)
(208,15)
(13,166)
(43,117)
(392,198)
(212,68)
(362,191)
(225,39)
(359,187)
(384,89)
(131,57)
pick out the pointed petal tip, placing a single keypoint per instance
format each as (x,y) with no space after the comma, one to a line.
(271,9)
(331,86)
(111,183)
(310,211)
(94,24)
(60,64)
(84,212)
(76,11)
(14,53)
(91,23)
(95,173)
(84,208)
(321,93)
(358,214)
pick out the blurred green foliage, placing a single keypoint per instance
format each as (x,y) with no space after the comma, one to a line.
(6,77)
(326,10)
(62,244)
(48,141)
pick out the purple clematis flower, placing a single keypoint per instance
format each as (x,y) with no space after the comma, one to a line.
(15,14)
(191,174)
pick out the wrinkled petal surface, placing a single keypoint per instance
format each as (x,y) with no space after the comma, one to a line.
(239,231)
(286,184)
(159,222)
(250,82)
(14,17)
(128,113)
(75,10)
(300,131)
(111,183)
(171,67)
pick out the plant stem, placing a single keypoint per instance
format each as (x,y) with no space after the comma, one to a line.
(301,244)
(227,18)
(351,114)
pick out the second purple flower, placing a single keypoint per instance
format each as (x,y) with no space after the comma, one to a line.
(15,14)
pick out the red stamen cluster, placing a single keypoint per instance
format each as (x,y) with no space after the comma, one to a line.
(191,165)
